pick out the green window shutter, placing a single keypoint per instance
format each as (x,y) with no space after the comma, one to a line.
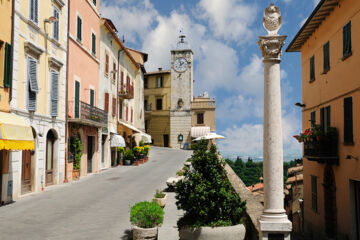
(54,94)
(328,118)
(32,7)
(347,39)
(322,119)
(326,57)
(36,7)
(93,45)
(8,66)
(79,28)
(92,95)
(348,120)
(77,99)
(314,193)
(312,68)
(56,24)
(33,84)
(312,119)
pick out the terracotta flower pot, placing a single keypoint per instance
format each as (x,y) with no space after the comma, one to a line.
(145,233)
(75,174)
(136,163)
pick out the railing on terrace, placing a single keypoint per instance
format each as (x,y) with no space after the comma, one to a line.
(126,92)
(82,110)
(203,104)
(323,150)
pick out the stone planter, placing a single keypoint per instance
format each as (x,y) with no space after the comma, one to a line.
(161,201)
(127,162)
(144,233)
(236,232)
(75,174)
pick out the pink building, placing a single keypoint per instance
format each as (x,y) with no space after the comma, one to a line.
(85,122)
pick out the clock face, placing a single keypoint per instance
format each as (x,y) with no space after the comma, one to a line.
(180,64)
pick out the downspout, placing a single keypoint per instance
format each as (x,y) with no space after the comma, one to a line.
(12,47)
(117,88)
(66,95)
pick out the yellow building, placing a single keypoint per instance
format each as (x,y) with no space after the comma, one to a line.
(38,91)
(157,102)
(329,43)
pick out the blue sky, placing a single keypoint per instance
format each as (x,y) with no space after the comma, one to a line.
(223,35)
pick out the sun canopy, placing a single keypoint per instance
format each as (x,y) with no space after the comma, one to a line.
(146,138)
(117,141)
(130,127)
(211,135)
(199,131)
(15,133)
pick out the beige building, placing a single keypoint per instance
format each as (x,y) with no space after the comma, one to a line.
(202,116)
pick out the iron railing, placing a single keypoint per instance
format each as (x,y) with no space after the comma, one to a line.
(82,110)
(126,92)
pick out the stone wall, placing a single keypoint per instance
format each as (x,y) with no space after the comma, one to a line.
(180,124)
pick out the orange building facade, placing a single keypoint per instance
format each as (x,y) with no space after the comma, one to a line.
(329,43)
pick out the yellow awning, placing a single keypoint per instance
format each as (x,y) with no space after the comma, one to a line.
(15,133)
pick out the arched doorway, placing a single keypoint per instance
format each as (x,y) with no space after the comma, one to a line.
(330,202)
(49,165)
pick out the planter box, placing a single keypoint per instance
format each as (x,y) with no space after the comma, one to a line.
(236,232)
(136,163)
(75,174)
(145,233)
(127,162)
(161,201)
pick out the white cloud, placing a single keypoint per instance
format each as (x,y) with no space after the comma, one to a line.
(230,20)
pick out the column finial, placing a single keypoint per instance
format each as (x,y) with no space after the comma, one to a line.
(272,19)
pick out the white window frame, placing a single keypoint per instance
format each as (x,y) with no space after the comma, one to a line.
(58,22)
(91,50)
(79,16)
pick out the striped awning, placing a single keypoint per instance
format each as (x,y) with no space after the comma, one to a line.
(15,133)
(199,131)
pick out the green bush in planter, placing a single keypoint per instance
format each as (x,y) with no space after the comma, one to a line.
(206,195)
(146,214)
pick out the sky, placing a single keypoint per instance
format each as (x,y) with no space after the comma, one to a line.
(228,64)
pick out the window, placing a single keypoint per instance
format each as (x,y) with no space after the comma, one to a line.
(132,112)
(34,8)
(94,2)
(159,82)
(127,113)
(114,70)
(114,107)
(122,81)
(325,121)
(145,82)
(33,84)
(326,57)
(314,193)
(120,109)
(106,103)
(79,29)
(106,63)
(92,97)
(93,43)
(8,65)
(347,40)
(54,93)
(312,68)
(313,119)
(159,104)
(200,118)
(348,121)
(145,104)
(56,24)
(77,99)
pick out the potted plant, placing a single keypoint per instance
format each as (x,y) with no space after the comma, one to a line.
(137,152)
(160,198)
(128,157)
(145,218)
(77,148)
(146,152)
(120,153)
(212,208)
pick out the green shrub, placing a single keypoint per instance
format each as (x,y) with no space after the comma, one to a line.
(159,194)
(206,195)
(120,149)
(129,155)
(141,143)
(146,214)
(146,149)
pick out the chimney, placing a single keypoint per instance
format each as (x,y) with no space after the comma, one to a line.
(160,69)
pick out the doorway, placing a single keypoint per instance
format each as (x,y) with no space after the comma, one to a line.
(90,152)
(50,140)
(355,208)
(26,172)
(166,140)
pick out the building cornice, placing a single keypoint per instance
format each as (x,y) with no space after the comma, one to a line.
(71,37)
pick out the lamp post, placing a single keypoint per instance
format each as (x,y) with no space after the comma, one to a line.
(274,223)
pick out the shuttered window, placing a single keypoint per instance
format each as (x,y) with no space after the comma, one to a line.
(106,63)
(325,118)
(347,40)
(146,82)
(127,113)
(312,68)
(79,29)
(132,113)
(326,57)
(106,106)
(313,119)
(114,69)
(120,109)
(93,43)
(33,84)
(34,6)
(122,81)
(92,97)
(159,83)
(322,118)
(54,98)
(314,193)
(77,99)
(159,104)
(56,25)
(348,121)
(8,66)
(114,107)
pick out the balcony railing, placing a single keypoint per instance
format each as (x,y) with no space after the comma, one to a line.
(126,92)
(323,150)
(84,111)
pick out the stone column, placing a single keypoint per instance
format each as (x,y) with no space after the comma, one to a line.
(274,223)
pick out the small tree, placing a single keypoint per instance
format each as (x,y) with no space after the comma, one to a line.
(205,194)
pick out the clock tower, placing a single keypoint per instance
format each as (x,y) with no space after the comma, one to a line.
(181,93)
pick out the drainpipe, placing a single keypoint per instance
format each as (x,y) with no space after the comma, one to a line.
(12,46)
(117,87)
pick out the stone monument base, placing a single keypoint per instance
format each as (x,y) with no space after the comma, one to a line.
(275,228)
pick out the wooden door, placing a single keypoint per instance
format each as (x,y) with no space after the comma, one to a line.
(357,207)
(49,168)
(26,172)
(89,153)
(166,140)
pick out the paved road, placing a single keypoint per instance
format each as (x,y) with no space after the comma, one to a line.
(96,207)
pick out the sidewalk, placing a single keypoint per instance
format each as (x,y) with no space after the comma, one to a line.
(169,231)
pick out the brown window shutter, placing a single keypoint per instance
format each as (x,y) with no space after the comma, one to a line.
(127,113)
(106,107)
(106,64)
(114,70)
(120,110)
(114,106)
(132,112)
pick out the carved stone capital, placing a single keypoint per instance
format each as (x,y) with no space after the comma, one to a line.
(271,46)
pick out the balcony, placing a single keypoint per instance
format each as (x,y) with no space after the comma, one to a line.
(86,114)
(148,108)
(126,92)
(324,149)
